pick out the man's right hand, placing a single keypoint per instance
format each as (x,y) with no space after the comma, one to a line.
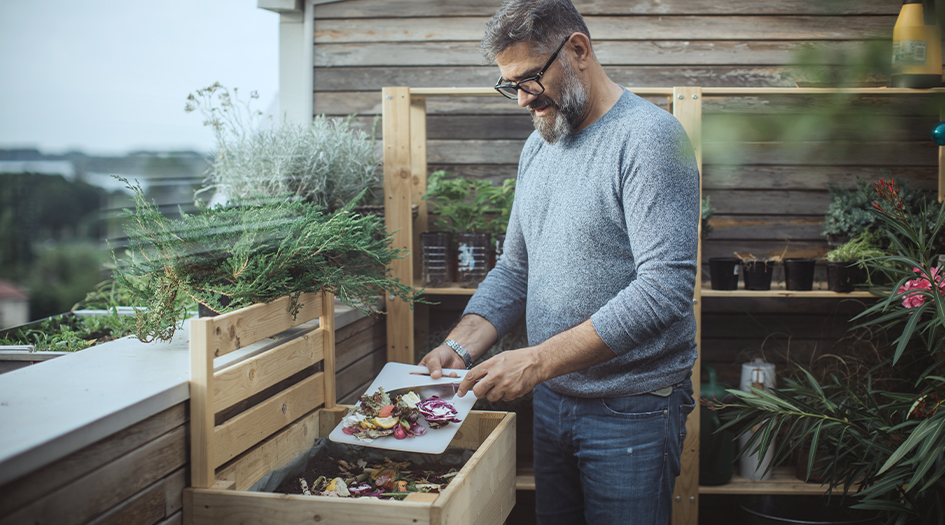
(442,357)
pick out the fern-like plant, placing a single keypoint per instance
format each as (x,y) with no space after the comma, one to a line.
(250,254)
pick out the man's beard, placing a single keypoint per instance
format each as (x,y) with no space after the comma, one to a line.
(567,114)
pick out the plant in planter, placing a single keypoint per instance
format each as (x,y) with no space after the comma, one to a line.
(850,211)
(757,271)
(469,210)
(845,263)
(328,163)
(885,431)
(250,254)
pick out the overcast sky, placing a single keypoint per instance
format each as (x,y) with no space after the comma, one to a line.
(111,76)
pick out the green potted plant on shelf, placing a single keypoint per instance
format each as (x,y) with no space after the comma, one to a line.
(846,266)
(228,257)
(327,162)
(469,210)
(882,431)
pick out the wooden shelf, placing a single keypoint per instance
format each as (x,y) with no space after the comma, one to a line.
(448,289)
(782,482)
(777,290)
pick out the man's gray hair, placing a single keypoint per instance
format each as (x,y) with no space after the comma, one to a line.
(542,23)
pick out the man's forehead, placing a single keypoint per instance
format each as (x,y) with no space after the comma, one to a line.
(519,61)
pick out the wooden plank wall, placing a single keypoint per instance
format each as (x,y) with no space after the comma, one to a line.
(766,161)
(134,476)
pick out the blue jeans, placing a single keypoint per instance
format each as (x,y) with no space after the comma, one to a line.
(608,460)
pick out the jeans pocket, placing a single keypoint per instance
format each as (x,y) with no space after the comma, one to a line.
(642,406)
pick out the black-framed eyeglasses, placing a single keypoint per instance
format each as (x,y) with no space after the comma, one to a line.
(531,85)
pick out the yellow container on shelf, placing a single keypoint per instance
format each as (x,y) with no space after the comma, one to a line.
(917,46)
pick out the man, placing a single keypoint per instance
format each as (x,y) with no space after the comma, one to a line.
(600,256)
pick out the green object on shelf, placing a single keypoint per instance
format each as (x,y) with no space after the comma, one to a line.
(716,449)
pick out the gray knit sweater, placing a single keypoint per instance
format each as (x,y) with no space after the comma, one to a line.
(605,226)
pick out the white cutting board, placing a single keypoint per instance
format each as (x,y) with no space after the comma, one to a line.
(434,441)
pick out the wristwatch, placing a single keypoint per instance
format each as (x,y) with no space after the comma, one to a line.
(460,351)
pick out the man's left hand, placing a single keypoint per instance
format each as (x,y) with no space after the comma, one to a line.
(507,376)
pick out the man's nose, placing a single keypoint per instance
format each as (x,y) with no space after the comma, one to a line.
(524,99)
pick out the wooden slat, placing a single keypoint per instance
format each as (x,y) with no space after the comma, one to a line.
(609,53)
(398,190)
(211,506)
(350,378)
(258,322)
(687,108)
(371,335)
(866,154)
(612,28)
(343,78)
(486,494)
(152,505)
(33,486)
(201,404)
(418,167)
(587,8)
(104,488)
(254,375)
(849,126)
(259,422)
(756,100)
(762,177)
(782,482)
(765,227)
(327,321)
(273,454)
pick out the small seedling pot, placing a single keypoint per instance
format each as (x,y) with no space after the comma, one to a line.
(799,273)
(724,272)
(472,258)
(839,276)
(758,274)
(435,253)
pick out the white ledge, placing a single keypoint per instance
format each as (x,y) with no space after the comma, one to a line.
(50,410)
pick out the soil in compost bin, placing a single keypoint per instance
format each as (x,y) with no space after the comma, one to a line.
(384,480)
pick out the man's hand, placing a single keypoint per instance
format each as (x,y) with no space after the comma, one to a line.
(442,357)
(507,376)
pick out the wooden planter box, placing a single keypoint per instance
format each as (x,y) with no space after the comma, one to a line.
(283,399)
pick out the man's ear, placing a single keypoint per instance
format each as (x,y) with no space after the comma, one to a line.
(579,47)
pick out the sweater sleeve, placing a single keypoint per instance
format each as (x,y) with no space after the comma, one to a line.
(660,196)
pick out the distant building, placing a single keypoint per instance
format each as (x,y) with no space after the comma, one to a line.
(14,305)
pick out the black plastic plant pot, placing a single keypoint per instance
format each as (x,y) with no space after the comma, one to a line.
(724,273)
(757,274)
(840,276)
(472,258)
(435,257)
(799,273)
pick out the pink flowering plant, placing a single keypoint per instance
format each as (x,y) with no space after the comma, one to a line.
(879,438)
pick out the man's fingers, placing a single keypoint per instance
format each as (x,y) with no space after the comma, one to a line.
(432,363)
(468,383)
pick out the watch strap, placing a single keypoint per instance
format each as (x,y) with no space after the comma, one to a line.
(462,352)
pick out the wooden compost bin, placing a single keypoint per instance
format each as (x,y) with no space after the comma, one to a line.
(283,398)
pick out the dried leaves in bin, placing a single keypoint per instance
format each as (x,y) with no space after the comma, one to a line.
(326,476)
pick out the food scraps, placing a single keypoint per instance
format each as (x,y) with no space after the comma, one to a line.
(378,415)
(380,480)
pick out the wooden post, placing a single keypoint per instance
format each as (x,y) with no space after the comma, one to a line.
(687,107)
(941,164)
(201,404)
(327,322)
(398,187)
